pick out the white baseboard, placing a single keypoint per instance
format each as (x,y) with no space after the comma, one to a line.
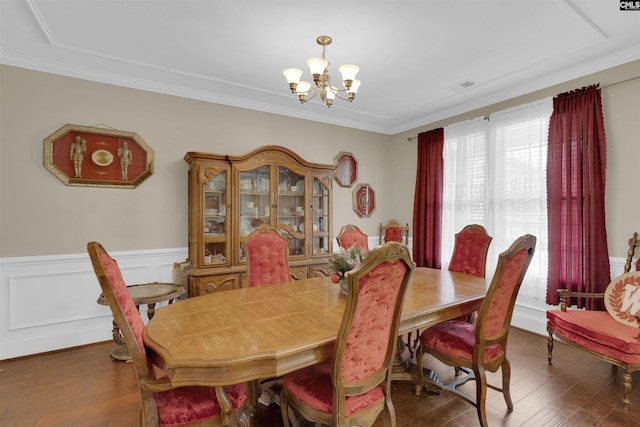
(49,302)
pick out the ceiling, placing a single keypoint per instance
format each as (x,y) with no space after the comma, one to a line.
(420,61)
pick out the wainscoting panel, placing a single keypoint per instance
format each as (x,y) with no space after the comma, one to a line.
(49,303)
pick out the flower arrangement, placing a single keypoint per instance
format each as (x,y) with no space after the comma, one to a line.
(343,261)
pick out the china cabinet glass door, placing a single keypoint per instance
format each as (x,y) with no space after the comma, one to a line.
(321,215)
(254,204)
(291,209)
(216,230)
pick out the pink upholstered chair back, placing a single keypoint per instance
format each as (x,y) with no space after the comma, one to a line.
(366,342)
(124,310)
(351,235)
(162,404)
(267,257)
(470,251)
(494,317)
(393,234)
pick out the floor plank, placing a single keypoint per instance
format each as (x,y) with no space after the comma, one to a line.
(83,387)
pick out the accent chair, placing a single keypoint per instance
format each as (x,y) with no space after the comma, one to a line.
(596,332)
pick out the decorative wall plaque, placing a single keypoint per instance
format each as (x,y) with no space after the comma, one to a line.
(346,171)
(96,157)
(622,298)
(364,202)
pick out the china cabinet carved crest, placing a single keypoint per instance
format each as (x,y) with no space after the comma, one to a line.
(229,196)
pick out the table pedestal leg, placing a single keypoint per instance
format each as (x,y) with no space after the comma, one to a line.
(400,371)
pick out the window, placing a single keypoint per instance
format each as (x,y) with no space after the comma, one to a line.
(495,175)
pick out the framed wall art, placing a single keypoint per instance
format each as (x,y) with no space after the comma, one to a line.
(96,157)
(346,169)
(364,200)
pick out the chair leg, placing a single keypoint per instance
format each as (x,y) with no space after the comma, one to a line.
(549,347)
(506,383)
(409,346)
(417,340)
(481,395)
(284,408)
(289,417)
(419,373)
(626,387)
(388,417)
(253,389)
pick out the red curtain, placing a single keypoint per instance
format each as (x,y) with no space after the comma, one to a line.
(576,169)
(427,204)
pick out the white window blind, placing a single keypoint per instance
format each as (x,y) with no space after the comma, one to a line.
(496,177)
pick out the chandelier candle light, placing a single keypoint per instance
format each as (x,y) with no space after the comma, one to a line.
(319,68)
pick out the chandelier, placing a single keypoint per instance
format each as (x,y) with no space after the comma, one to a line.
(319,68)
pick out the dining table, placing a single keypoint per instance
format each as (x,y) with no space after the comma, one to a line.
(263,332)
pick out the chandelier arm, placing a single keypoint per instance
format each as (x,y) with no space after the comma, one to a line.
(315,92)
(338,95)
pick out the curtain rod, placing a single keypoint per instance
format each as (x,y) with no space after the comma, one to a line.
(602,87)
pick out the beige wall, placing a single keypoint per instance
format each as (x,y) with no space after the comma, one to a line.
(621,111)
(39,215)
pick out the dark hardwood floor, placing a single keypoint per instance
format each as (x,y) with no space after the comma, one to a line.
(83,387)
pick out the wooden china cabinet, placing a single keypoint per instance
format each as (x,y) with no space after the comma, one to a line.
(229,196)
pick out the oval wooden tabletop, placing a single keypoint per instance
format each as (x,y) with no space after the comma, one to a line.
(244,334)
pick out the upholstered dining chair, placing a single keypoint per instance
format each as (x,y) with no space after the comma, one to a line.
(470,250)
(354,386)
(162,403)
(350,235)
(596,332)
(481,347)
(267,257)
(267,264)
(393,232)
(470,253)
(470,257)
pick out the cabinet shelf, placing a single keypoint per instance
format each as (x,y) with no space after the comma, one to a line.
(211,237)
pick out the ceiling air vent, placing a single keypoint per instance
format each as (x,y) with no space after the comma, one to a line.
(461,86)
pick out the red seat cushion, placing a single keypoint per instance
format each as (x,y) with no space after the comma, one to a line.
(312,386)
(597,331)
(187,405)
(456,338)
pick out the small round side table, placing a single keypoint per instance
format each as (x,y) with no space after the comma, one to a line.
(145,293)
